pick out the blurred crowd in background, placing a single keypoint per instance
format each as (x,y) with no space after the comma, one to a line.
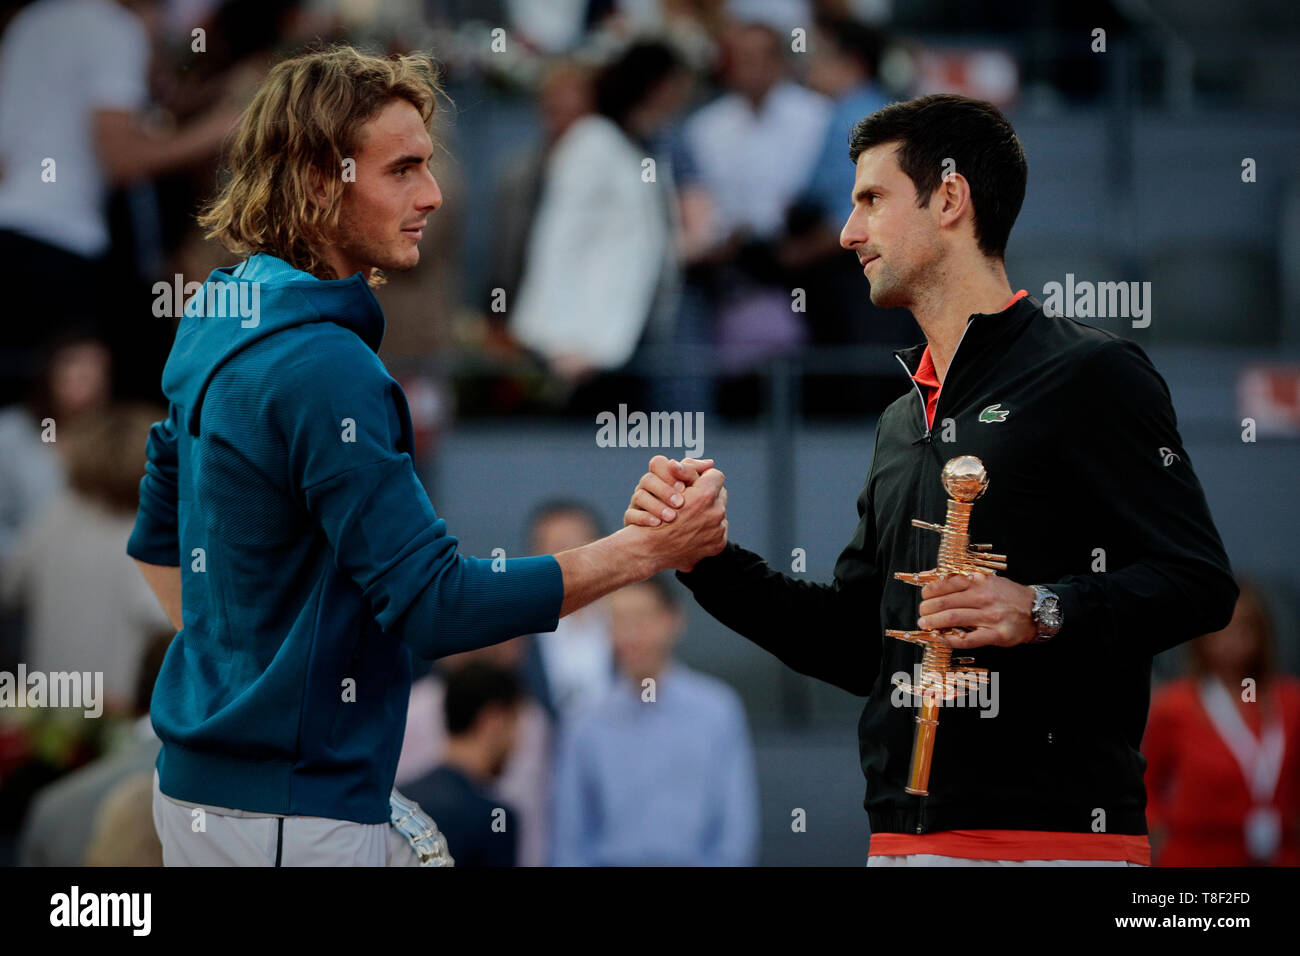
(551,284)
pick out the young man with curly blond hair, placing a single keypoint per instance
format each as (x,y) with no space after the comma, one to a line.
(281,521)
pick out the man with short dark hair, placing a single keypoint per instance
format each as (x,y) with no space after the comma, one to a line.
(482,710)
(1112,553)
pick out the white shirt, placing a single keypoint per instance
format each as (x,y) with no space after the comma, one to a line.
(599,248)
(754,164)
(555,26)
(60,61)
(579,660)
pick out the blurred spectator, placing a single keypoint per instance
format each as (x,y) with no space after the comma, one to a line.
(690,25)
(572,667)
(87,609)
(525,781)
(565,96)
(154,232)
(482,713)
(554,27)
(1223,769)
(76,379)
(661,771)
(842,65)
(64,141)
(124,831)
(755,145)
(601,261)
(753,149)
(64,817)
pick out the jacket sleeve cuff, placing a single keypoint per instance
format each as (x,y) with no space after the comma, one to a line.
(532,593)
(479,602)
(1076,611)
(152,544)
(712,569)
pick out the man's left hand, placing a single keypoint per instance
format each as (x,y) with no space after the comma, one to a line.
(996,610)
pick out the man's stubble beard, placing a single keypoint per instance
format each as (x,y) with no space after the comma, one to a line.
(885,292)
(374,254)
(892,290)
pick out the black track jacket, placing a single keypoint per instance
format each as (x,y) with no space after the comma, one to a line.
(1086,471)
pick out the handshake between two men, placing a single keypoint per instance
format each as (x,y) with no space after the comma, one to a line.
(990,609)
(690,525)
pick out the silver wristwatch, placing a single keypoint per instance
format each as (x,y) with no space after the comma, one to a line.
(1046,614)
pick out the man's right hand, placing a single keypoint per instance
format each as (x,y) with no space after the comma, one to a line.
(691,495)
(658,494)
(698,530)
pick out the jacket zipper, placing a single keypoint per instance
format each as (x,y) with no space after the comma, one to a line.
(920,824)
(925,420)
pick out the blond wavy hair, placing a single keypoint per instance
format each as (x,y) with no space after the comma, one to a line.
(306,116)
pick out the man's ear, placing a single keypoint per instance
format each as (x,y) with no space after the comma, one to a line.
(953,198)
(317,193)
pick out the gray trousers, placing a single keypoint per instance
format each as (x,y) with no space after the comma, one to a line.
(195,834)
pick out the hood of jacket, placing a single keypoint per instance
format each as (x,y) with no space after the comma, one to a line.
(240,305)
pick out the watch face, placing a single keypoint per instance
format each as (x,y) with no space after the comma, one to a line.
(1050,613)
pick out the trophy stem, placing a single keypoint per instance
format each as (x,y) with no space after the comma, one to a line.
(934,665)
(927,722)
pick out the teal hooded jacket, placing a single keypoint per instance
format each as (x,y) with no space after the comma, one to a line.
(312,563)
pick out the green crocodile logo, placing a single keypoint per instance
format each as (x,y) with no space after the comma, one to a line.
(995,413)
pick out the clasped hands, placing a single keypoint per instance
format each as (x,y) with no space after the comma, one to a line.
(680,508)
(994,610)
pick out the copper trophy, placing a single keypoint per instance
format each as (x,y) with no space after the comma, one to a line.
(943,677)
